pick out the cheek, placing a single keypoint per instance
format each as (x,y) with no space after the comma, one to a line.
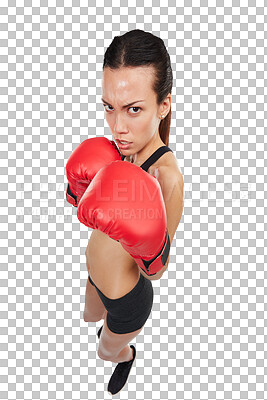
(143,123)
(149,126)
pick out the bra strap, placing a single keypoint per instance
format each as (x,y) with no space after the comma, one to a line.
(154,157)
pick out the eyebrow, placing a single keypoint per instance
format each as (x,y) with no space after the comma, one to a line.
(127,105)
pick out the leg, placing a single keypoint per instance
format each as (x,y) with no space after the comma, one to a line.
(94,309)
(114,347)
(137,304)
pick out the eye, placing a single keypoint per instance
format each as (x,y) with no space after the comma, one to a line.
(135,108)
(106,105)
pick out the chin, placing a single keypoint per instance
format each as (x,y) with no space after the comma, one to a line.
(127,151)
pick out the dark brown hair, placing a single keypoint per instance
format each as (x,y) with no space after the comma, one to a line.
(136,48)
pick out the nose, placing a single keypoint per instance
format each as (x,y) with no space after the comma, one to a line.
(119,126)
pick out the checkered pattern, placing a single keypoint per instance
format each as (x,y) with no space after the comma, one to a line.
(206,335)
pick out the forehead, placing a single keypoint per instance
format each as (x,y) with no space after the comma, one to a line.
(125,84)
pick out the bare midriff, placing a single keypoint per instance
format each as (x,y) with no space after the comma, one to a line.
(111,268)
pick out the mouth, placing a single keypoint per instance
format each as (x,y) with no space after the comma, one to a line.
(123,142)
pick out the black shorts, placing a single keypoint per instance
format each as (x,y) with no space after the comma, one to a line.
(129,312)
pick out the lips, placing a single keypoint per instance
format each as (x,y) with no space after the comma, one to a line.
(123,146)
(123,141)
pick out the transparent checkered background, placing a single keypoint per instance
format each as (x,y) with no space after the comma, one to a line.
(205,338)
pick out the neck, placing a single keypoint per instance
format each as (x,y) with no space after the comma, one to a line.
(141,156)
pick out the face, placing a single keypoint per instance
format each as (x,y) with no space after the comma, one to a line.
(135,123)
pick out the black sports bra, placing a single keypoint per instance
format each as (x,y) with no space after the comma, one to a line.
(153,158)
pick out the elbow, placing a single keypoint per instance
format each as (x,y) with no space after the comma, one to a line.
(153,277)
(159,274)
(156,276)
(163,269)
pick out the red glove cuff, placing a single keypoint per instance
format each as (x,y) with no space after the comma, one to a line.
(71,198)
(154,265)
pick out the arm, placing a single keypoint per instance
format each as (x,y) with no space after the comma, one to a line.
(104,207)
(172,189)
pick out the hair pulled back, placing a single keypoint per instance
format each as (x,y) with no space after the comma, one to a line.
(139,48)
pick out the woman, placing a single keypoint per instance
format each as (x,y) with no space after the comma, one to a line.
(136,87)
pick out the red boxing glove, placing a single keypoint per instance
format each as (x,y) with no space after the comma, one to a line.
(85,161)
(126,203)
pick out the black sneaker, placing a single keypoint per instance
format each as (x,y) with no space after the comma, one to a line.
(120,374)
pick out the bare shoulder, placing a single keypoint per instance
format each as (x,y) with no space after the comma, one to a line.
(167,171)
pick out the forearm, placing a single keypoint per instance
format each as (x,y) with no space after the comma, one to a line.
(156,276)
(150,277)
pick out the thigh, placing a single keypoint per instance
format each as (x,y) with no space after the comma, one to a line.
(125,318)
(130,312)
(94,308)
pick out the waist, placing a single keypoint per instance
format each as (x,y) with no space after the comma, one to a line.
(111,268)
(134,291)
(115,281)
